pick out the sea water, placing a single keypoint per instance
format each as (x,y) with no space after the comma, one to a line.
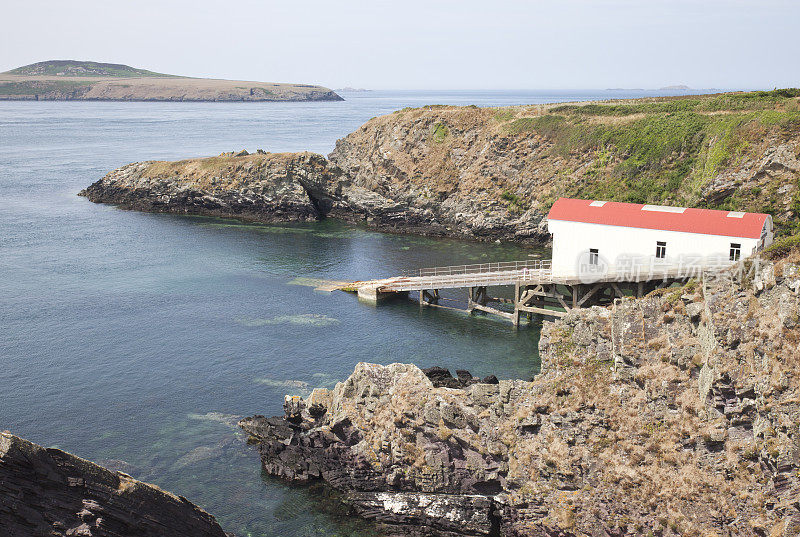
(138,340)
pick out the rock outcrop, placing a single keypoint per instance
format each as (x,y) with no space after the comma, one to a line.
(47,492)
(267,187)
(456,167)
(493,173)
(671,415)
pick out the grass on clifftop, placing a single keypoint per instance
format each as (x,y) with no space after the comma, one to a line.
(439,132)
(84,69)
(39,87)
(661,150)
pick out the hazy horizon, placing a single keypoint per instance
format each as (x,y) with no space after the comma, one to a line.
(468,45)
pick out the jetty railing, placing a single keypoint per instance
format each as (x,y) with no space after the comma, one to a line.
(483,268)
(478,279)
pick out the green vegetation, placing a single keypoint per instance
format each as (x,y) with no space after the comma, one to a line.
(40,87)
(503,115)
(439,132)
(515,203)
(83,69)
(783,247)
(665,150)
(549,125)
(643,145)
(755,100)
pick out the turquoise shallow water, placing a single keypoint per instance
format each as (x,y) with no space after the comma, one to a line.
(137,339)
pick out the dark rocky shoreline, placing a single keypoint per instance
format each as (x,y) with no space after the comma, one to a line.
(47,492)
(291,187)
(290,449)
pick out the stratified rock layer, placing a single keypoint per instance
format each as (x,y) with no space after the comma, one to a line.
(671,415)
(47,492)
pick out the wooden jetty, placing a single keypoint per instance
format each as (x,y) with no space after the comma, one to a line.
(536,290)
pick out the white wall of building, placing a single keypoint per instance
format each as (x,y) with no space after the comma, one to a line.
(617,245)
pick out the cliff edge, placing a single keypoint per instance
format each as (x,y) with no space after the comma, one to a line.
(47,492)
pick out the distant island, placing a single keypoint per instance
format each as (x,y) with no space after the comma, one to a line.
(72,80)
(353,90)
(681,87)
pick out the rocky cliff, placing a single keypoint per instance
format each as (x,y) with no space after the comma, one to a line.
(671,415)
(496,171)
(47,492)
(493,173)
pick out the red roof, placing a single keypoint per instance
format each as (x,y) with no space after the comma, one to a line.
(705,221)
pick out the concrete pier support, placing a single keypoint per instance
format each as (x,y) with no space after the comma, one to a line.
(371,295)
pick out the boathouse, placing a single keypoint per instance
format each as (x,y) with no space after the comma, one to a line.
(611,237)
(602,251)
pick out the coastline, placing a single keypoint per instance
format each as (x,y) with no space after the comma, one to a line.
(647,417)
(492,174)
(773,165)
(162,88)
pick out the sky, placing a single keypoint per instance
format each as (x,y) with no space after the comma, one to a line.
(435,44)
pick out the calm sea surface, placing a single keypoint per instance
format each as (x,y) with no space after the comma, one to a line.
(138,340)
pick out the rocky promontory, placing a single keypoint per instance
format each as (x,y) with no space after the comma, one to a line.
(280,187)
(671,415)
(267,187)
(493,173)
(47,492)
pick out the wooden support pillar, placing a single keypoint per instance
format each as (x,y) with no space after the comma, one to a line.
(478,296)
(515,317)
(427,298)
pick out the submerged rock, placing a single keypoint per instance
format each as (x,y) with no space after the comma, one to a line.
(647,418)
(50,492)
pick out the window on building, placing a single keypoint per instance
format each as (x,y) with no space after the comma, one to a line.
(661,250)
(736,251)
(594,256)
